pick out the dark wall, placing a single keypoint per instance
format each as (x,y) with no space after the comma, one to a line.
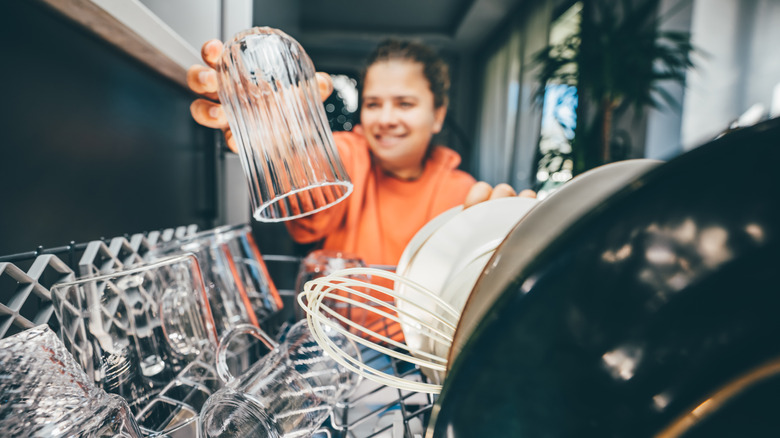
(94,144)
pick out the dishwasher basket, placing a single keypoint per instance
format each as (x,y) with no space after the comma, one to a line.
(373,410)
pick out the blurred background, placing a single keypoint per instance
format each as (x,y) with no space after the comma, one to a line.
(99,142)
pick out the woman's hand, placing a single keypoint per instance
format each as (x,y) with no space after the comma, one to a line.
(483,191)
(201,79)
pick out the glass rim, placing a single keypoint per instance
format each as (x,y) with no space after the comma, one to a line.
(257,214)
(255,30)
(130,271)
(227,393)
(148,431)
(224,232)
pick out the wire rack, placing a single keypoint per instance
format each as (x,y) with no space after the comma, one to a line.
(373,410)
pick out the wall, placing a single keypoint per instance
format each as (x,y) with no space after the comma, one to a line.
(198,21)
(664,126)
(507,131)
(94,144)
(739,65)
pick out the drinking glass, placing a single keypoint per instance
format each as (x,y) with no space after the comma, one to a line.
(289,392)
(238,286)
(44,392)
(174,411)
(133,330)
(327,378)
(269,91)
(322,262)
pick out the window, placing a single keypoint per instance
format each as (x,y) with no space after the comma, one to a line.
(342,105)
(508,128)
(559,116)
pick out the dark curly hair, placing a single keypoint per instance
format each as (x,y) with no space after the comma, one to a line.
(435,69)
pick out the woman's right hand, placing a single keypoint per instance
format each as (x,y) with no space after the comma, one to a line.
(201,79)
(482,191)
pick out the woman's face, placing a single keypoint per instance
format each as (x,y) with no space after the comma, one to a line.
(398,116)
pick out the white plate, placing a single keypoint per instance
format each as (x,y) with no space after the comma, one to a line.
(422,235)
(457,248)
(537,230)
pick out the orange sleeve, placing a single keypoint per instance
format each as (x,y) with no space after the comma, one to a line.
(453,190)
(460,186)
(317,226)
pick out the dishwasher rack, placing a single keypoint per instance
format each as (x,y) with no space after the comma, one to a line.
(373,410)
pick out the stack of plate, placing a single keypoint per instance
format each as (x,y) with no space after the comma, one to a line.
(455,255)
(448,255)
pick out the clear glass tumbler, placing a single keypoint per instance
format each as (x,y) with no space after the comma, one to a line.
(238,285)
(322,262)
(133,330)
(328,378)
(268,88)
(288,393)
(45,393)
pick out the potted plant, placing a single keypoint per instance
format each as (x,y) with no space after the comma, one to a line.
(618,58)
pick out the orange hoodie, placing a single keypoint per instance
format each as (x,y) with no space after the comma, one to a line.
(383,213)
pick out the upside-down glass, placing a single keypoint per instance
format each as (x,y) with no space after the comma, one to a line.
(269,91)
(328,378)
(133,330)
(238,286)
(289,392)
(44,392)
(322,262)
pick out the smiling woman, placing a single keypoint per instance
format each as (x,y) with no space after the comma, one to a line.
(402,180)
(404,105)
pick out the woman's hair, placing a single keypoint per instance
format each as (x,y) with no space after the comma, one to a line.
(435,69)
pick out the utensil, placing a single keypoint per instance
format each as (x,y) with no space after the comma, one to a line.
(432,320)
(46,394)
(268,88)
(320,263)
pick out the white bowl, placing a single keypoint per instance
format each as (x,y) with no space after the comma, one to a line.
(450,260)
(537,230)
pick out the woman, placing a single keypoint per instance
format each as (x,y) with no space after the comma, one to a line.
(401,180)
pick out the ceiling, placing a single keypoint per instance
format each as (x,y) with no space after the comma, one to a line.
(374,16)
(340,33)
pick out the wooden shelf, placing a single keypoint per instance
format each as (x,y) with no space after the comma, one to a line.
(134,29)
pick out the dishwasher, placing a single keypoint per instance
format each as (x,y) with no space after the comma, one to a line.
(372,409)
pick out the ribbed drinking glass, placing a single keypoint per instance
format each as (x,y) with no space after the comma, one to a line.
(269,91)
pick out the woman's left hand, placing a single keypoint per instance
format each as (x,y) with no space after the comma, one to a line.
(483,191)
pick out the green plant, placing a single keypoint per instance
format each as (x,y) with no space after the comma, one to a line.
(618,58)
